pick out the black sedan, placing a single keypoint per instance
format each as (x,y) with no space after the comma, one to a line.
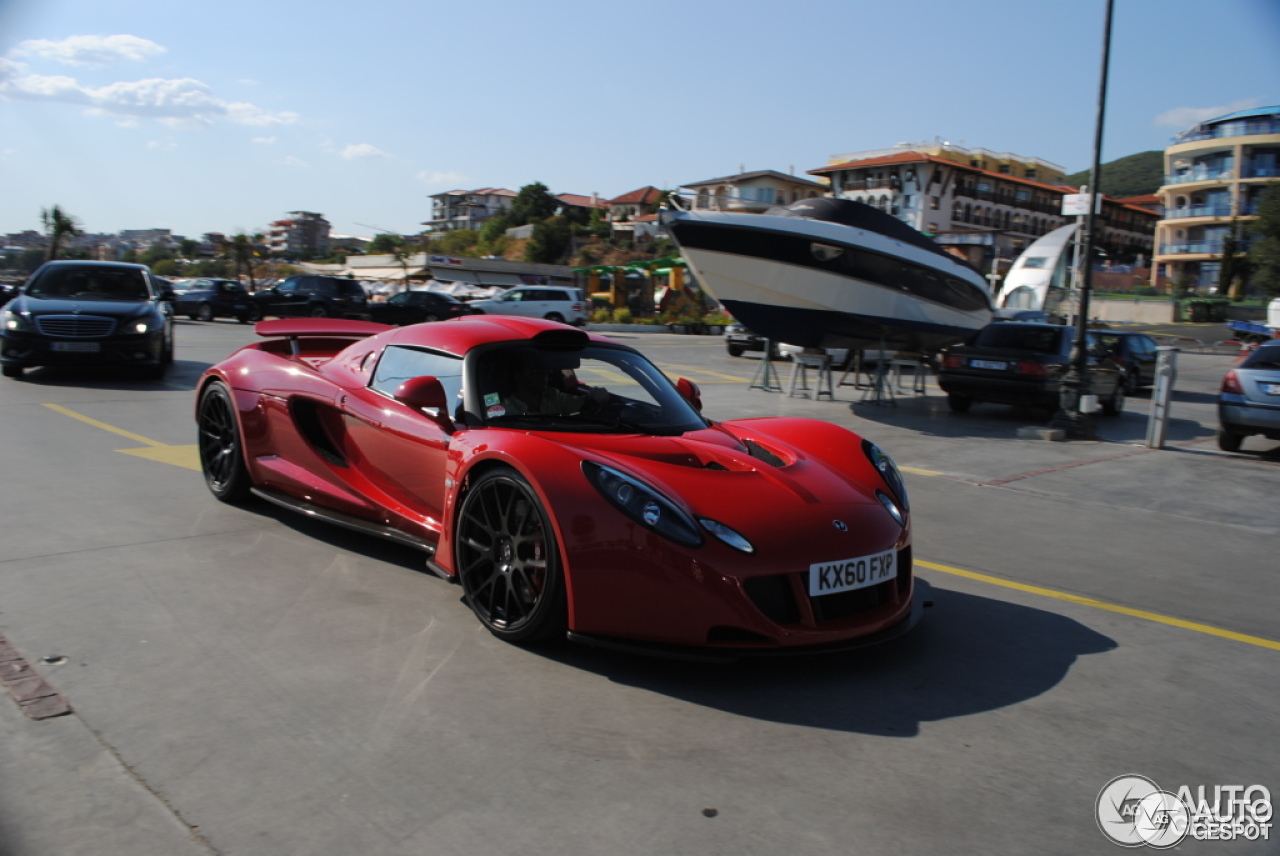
(738,340)
(1013,362)
(1135,353)
(415,307)
(82,313)
(207,299)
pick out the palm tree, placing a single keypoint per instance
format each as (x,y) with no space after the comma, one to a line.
(59,225)
(241,250)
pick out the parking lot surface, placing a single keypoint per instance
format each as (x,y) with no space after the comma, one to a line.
(243,681)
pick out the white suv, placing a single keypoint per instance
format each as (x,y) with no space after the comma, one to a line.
(555,303)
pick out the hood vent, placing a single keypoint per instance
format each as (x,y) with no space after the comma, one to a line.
(761,453)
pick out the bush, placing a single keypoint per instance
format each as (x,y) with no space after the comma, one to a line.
(602,316)
(622,315)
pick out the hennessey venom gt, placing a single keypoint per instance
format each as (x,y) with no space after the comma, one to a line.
(567,484)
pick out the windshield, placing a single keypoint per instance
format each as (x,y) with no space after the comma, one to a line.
(90,283)
(592,389)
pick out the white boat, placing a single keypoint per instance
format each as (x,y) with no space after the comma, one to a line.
(1040,277)
(832,273)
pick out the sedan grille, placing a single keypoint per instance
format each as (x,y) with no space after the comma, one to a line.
(75,326)
(784,598)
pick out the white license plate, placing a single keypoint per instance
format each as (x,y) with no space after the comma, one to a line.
(998,365)
(78,347)
(1271,388)
(850,574)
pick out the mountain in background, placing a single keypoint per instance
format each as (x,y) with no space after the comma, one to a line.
(1135,175)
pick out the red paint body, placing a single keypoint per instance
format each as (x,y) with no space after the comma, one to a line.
(315,431)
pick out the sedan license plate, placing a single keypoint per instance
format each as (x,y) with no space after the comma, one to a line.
(78,347)
(850,574)
(1271,388)
(998,365)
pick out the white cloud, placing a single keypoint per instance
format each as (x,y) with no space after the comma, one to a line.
(297,162)
(363,151)
(90,50)
(265,141)
(1186,117)
(178,102)
(441,178)
(161,145)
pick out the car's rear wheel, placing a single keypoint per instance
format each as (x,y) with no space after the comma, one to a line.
(1114,405)
(1229,441)
(736,350)
(319,312)
(204,313)
(431,318)
(508,561)
(11,371)
(221,450)
(556,317)
(958,403)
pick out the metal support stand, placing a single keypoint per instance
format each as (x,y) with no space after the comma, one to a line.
(766,377)
(1161,393)
(881,391)
(800,365)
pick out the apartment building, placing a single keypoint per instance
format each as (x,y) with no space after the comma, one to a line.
(752,192)
(467,209)
(1215,172)
(303,234)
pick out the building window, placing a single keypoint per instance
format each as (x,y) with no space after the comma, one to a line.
(933,203)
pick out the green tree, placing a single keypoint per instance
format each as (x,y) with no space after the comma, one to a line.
(1134,175)
(59,225)
(533,204)
(385,243)
(241,249)
(457,242)
(1264,250)
(549,243)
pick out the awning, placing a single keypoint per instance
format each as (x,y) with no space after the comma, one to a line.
(396,272)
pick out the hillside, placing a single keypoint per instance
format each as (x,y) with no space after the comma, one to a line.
(1135,175)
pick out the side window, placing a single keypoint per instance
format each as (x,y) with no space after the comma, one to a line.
(289,286)
(515,295)
(325,287)
(399,364)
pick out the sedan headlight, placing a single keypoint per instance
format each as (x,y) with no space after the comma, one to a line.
(11,320)
(643,504)
(889,472)
(141,327)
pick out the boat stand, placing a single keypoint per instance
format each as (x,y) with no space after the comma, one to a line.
(766,377)
(800,365)
(881,391)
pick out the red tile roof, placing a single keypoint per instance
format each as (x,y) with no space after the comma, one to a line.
(643,196)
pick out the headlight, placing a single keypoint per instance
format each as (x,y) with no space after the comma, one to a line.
(643,504)
(889,472)
(11,320)
(141,327)
(727,535)
(892,507)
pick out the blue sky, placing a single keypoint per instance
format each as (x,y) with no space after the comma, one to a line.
(136,114)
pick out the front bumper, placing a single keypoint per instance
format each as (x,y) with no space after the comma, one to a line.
(32,349)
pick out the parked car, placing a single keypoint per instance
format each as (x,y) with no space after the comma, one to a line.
(555,303)
(84,313)
(568,485)
(415,307)
(1014,362)
(1135,353)
(207,299)
(1249,400)
(738,340)
(313,296)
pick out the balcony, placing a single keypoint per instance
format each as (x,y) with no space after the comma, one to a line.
(1192,248)
(1247,128)
(1261,172)
(1198,211)
(1201,175)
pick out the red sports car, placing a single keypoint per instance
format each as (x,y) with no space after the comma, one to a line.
(567,484)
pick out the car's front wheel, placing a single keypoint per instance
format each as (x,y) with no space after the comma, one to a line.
(11,370)
(736,350)
(1114,405)
(507,559)
(204,313)
(221,450)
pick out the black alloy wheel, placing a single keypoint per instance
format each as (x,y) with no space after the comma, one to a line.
(221,451)
(508,561)
(318,311)
(204,313)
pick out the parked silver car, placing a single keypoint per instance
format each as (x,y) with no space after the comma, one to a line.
(553,302)
(1249,401)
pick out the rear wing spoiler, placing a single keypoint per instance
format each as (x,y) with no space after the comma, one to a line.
(294,329)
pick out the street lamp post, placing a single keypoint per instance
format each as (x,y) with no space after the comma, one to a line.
(1078,424)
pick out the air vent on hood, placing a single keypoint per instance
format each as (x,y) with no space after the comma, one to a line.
(761,453)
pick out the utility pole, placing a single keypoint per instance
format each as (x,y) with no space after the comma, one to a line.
(1077,386)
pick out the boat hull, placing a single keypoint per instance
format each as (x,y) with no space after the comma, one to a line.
(819,284)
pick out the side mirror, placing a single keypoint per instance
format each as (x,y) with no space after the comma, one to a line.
(168,294)
(689,392)
(426,394)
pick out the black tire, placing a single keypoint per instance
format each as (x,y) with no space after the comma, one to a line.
(507,559)
(1114,405)
(221,450)
(430,318)
(318,311)
(556,317)
(958,403)
(1133,382)
(204,312)
(735,350)
(11,371)
(1228,441)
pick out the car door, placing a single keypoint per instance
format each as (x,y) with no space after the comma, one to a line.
(395,449)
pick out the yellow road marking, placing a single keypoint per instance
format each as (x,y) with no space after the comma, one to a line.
(1109,607)
(701,370)
(180,456)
